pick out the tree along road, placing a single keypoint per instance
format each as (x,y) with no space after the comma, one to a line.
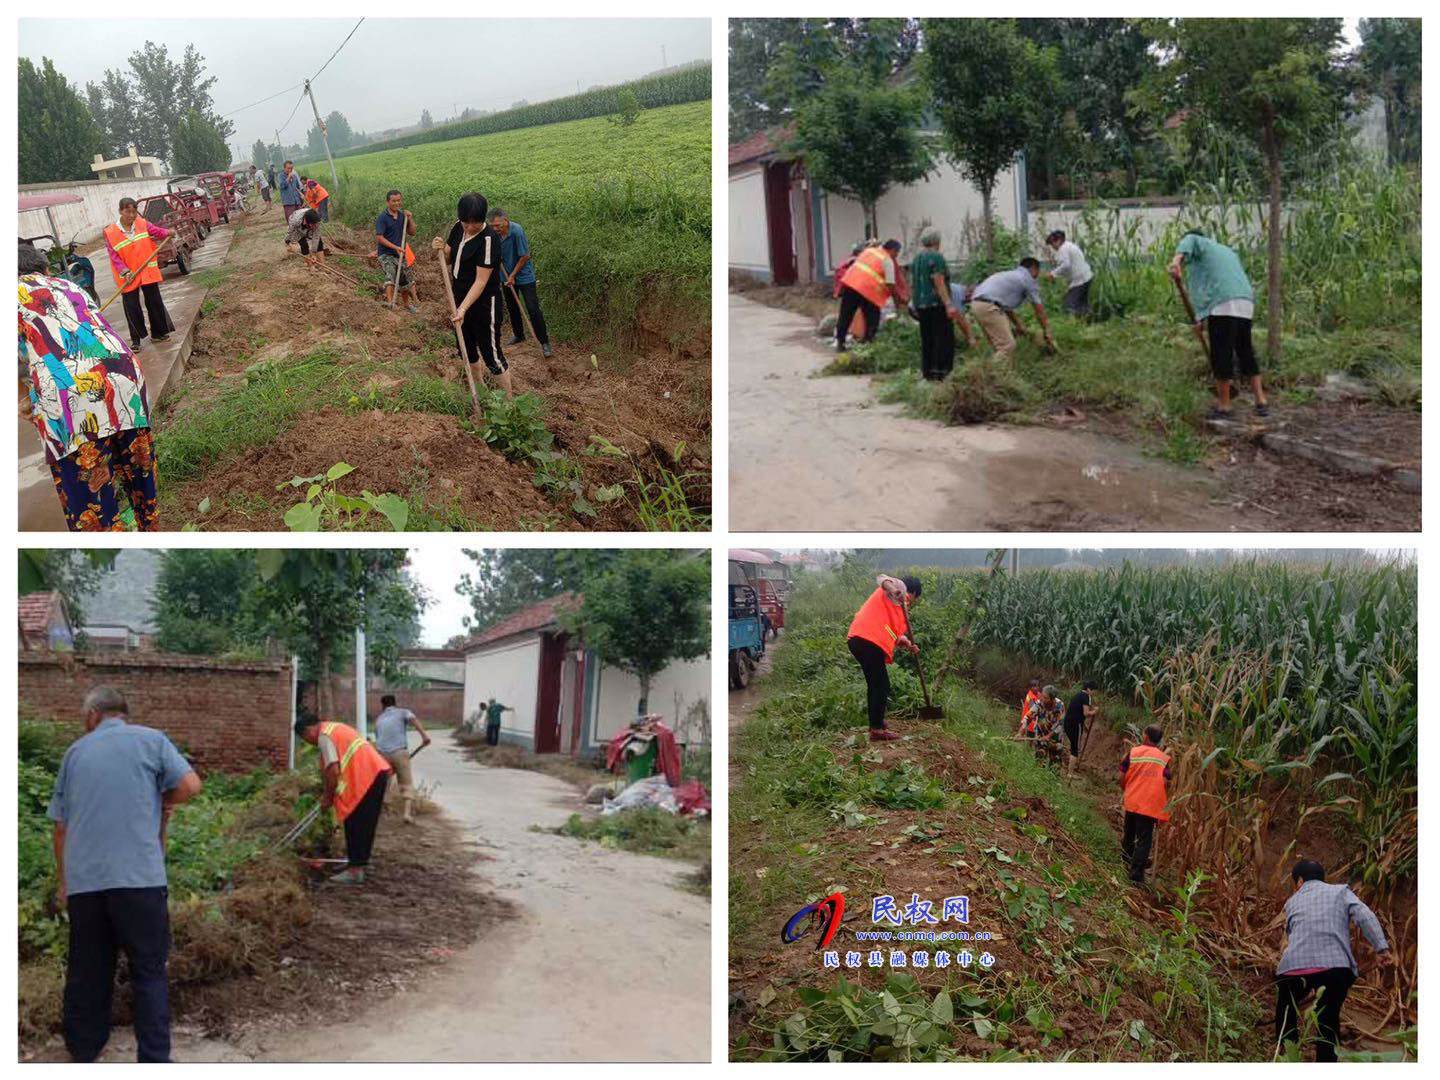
(820,454)
(607,961)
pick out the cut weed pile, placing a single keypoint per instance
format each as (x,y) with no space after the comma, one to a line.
(561,766)
(647,832)
(294,371)
(1085,967)
(257,938)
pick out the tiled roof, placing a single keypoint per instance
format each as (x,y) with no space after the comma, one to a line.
(38,610)
(759,145)
(535,617)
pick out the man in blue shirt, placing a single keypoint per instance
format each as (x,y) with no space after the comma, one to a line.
(519,277)
(392,226)
(114,793)
(292,195)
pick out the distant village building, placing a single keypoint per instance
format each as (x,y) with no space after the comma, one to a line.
(132,166)
(564,699)
(785,229)
(43,624)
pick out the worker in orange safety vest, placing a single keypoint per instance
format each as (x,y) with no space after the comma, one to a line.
(130,242)
(355,776)
(882,623)
(317,198)
(873,278)
(1143,773)
(1031,696)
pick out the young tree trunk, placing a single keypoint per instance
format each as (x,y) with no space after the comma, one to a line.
(644,692)
(872,225)
(1272,290)
(985,193)
(324,699)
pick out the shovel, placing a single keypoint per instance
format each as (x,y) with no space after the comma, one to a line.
(459,339)
(929,711)
(1190,314)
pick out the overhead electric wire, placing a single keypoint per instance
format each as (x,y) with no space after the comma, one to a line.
(272,97)
(312,78)
(337,51)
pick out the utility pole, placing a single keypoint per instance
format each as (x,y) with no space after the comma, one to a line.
(361,679)
(325,138)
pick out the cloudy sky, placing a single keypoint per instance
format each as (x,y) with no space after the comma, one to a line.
(443,65)
(440,571)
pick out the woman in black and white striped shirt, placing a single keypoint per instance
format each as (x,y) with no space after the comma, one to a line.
(472,259)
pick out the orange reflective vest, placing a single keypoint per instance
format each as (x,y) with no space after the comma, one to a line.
(360,764)
(134,251)
(315,196)
(1030,696)
(867,275)
(1145,781)
(880,621)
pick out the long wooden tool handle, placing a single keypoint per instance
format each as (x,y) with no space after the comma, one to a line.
(524,313)
(459,338)
(1190,314)
(138,271)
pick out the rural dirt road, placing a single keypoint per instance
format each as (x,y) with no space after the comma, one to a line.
(607,961)
(821,454)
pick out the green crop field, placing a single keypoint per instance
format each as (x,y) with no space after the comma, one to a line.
(618,217)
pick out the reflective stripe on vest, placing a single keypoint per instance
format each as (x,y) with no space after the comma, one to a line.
(134,257)
(350,752)
(867,275)
(873,621)
(351,786)
(1145,782)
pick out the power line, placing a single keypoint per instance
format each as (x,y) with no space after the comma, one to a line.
(337,51)
(272,97)
(293,111)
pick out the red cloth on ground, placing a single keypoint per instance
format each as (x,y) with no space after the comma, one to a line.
(692,797)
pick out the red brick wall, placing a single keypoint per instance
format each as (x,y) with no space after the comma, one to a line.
(229,717)
(440,708)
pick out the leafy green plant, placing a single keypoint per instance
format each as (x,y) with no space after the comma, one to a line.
(325,507)
(515,425)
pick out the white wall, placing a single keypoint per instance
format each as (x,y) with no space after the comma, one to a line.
(85,220)
(1150,221)
(510,673)
(618,693)
(749,235)
(945,199)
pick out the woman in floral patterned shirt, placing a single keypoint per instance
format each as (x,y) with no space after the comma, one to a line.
(86,396)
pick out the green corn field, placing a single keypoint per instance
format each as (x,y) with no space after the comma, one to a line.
(654,92)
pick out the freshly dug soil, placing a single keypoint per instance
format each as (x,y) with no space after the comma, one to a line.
(655,405)
(280,941)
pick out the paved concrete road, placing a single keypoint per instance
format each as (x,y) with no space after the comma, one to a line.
(162,366)
(820,454)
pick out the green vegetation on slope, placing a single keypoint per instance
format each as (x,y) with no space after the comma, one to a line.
(1085,968)
(618,218)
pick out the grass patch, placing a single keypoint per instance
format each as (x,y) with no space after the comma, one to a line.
(646,832)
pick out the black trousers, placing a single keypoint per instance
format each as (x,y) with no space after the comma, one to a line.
(1231,347)
(851,302)
(1139,835)
(1077,299)
(160,323)
(360,826)
(531,295)
(871,659)
(1072,732)
(481,333)
(1330,987)
(138,921)
(937,342)
(492,734)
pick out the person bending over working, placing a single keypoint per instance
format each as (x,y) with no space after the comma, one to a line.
(472,260)
(1317,958)
(879,626)
(355,776)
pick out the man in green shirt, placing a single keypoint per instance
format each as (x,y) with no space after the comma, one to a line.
(1225,305)
(492,721)
(933,308)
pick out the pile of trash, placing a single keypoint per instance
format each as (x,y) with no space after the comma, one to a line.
(665,789)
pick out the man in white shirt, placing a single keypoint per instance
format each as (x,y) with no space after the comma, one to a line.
(1070,264)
